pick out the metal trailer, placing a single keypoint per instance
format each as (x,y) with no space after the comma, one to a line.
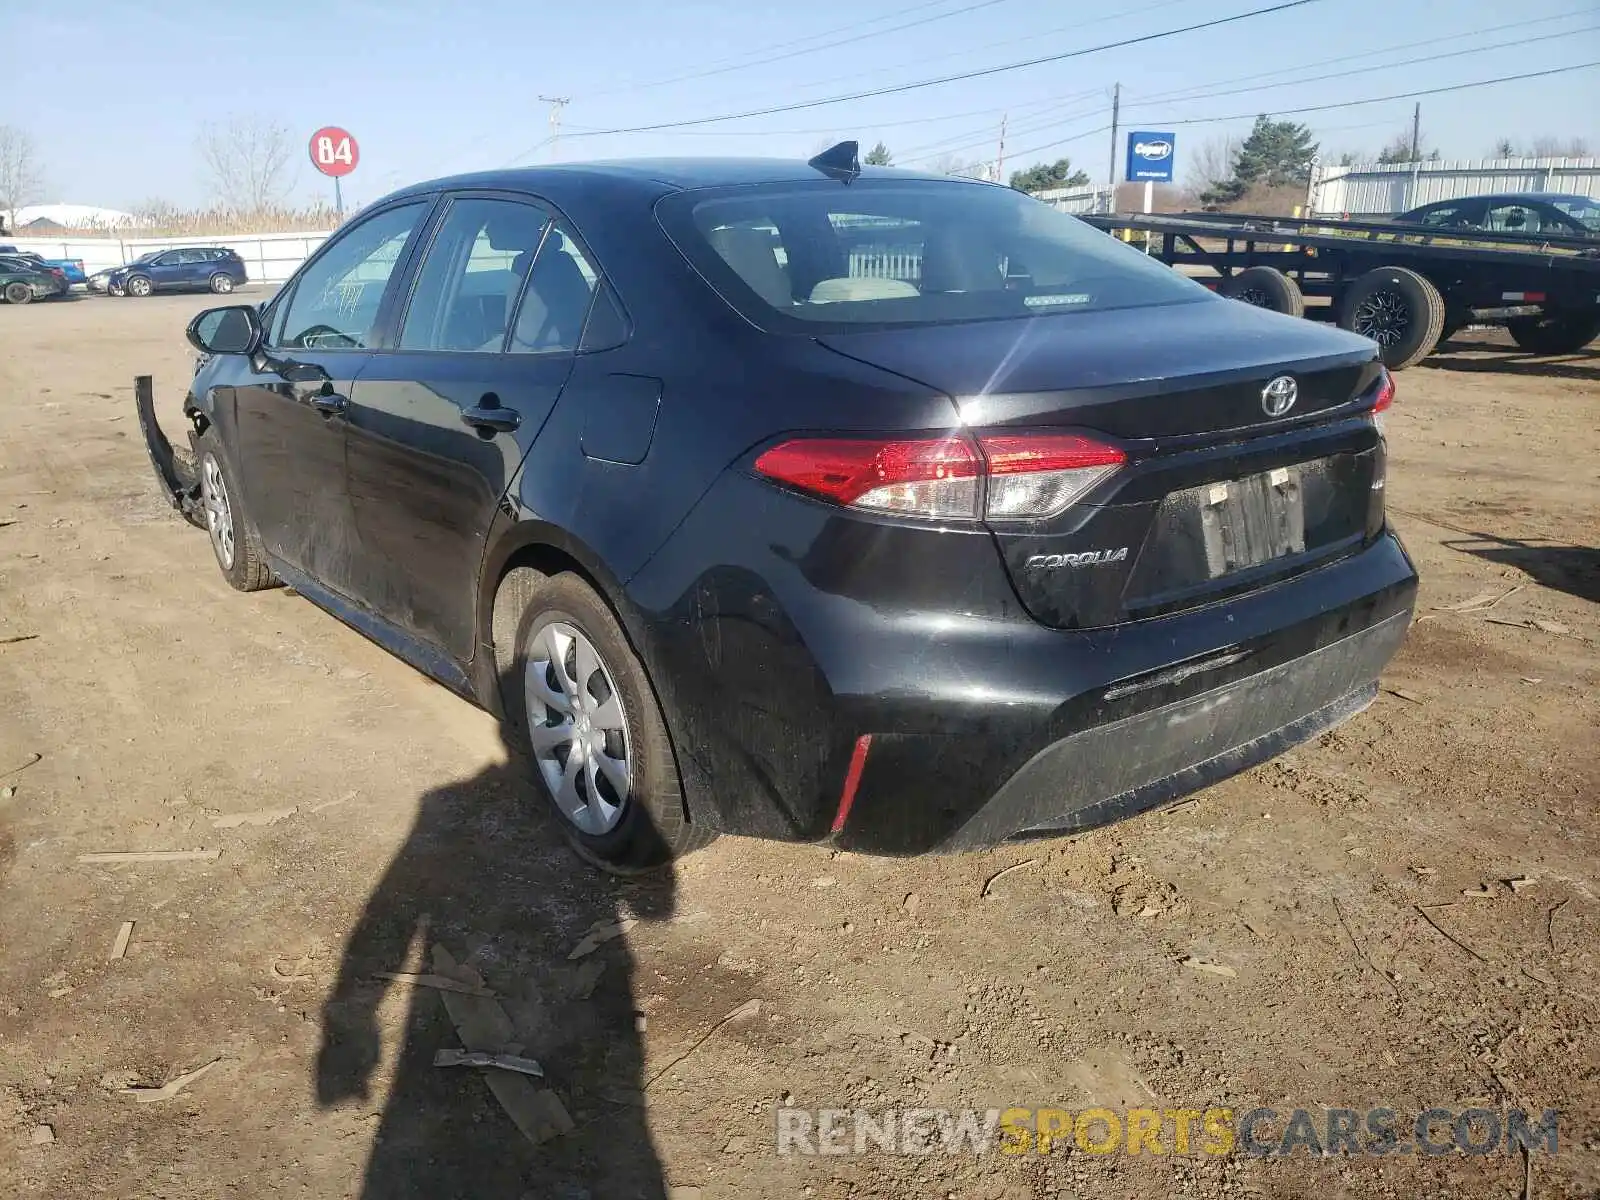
(1406,286)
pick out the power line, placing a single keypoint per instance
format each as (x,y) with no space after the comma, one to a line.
(1187,93)
(955,78)
(1310,108)
(968,51)
(1405,62)
(888,16)
(747,63)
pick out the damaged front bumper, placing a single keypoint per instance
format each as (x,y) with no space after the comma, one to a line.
(180,481)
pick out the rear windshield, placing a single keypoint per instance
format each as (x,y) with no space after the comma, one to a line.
(807,256)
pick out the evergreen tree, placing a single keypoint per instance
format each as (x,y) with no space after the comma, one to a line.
(1048,175)
(1275,154)
(879,156)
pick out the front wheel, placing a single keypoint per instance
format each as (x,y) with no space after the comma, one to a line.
(233,538)
(18,293)
(1555,333)
(579,704)
(221,284)
(138,285)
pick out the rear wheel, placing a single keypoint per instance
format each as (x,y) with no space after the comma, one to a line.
(1400,310)
(1265,287)
(578,702)
(233,538)
(138,285)
(1555,333)
(221,284)
(18,293)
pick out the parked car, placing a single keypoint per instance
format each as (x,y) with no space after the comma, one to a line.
(1533,213)
(188,268)
(70,268)
(100,281)
(22,281)
(740,524)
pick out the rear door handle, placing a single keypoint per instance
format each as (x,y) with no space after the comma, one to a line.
(330,404)
(496,419)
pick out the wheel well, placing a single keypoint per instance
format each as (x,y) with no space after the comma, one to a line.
(552,560)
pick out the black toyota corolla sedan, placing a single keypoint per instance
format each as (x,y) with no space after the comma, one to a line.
(800,501)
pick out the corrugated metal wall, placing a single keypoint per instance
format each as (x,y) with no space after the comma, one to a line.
(1396,187)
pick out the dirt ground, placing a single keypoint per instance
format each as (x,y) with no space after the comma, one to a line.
(161,703)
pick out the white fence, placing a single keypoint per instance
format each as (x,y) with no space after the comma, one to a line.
(268,257)
(1078,200)
(1396,187)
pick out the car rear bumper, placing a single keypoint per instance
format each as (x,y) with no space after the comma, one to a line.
(1111,771)
(1140,715)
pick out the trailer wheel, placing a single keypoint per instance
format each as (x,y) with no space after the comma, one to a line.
(1400,310)
(1265,287)
(1555,333)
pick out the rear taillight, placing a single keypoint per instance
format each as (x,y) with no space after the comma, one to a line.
(1382,398)
(1005,476)
(935,477)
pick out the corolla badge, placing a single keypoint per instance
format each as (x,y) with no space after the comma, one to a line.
(1279,395)
(1088,558)
(1153,150)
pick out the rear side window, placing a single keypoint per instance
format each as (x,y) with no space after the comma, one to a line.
(336,299)
(808,256)
(470,278)
(556,301)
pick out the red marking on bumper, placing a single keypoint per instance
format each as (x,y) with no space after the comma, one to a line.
(852,780)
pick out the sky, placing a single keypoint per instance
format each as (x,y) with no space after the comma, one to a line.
(115,92)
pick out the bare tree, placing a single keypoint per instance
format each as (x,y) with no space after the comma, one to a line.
(20,177)
(951,164)
(1554,147)
(249,161)
(1212,165)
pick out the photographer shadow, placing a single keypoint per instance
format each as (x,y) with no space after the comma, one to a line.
(484,873)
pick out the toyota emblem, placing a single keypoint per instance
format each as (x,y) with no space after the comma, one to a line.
(1279,395)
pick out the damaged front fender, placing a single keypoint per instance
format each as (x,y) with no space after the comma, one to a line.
(179,479)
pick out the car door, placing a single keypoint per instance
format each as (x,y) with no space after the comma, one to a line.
(292,399)
(439,422)
(165,270)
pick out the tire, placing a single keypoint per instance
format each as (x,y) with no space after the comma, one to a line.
(221,284)
(1555,333)
(542,622)
(19,293)
(1265,287)
(234,541)
(1399,309)
(138,286)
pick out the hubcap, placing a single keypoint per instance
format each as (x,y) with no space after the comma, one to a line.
(138,287)
(1384,317)
(224,284)
(219,515)
(578,728)
(1254,297)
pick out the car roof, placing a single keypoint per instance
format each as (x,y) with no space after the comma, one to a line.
(1546,196)
(648,176)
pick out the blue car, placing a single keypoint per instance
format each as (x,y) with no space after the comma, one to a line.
(183,269)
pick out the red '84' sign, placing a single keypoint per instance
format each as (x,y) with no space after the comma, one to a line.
(333,151)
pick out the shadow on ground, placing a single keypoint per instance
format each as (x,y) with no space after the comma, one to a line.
(485,874)
(1494,359)
(1571,569)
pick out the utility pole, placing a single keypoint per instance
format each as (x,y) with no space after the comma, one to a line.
(1116,112)
(1000,154)
(556,103)
(1416,131)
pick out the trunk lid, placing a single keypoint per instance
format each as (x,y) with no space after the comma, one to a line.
(1161,371)
(1218,495)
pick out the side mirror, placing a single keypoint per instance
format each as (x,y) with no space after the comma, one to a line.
(235,329)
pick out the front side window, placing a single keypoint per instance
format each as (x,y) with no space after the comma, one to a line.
(335,301)
(471,275)
(556,302)
(806,256)
(1584,212)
